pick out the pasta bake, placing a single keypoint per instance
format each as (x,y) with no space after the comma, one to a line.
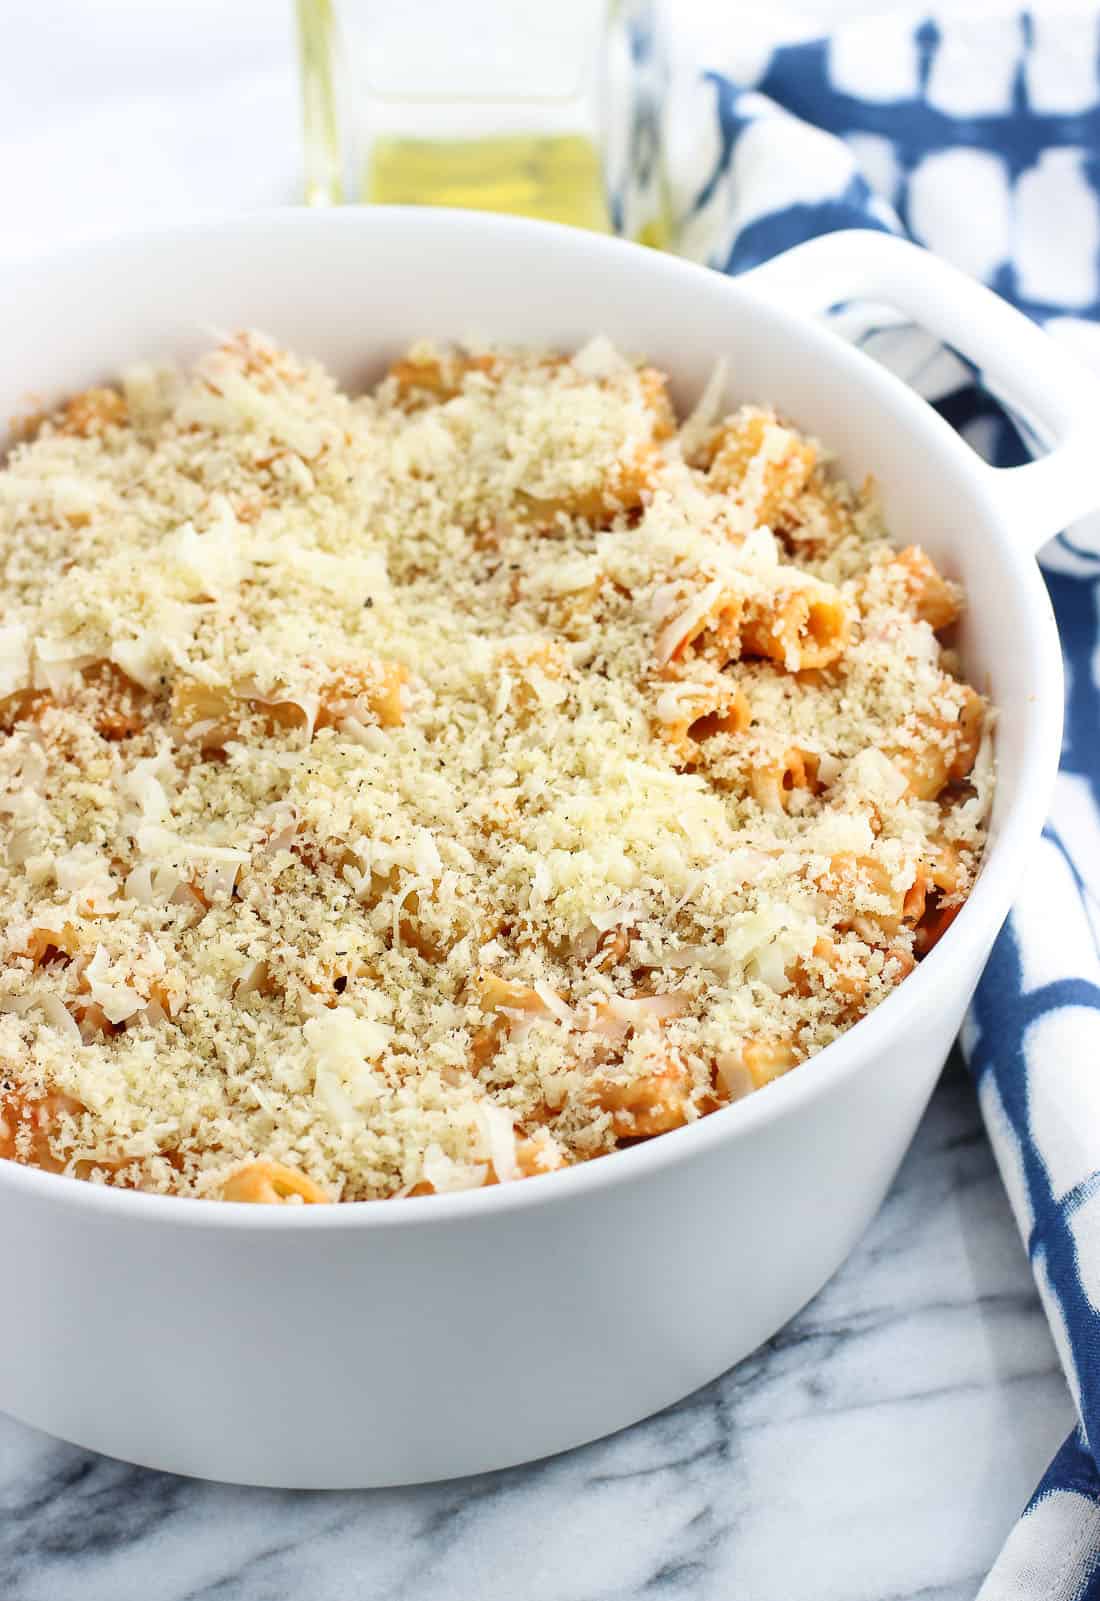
(422,790)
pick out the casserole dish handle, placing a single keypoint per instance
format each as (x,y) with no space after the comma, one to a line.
(1052,392)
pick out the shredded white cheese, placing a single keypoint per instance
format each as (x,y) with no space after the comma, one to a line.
(440,786)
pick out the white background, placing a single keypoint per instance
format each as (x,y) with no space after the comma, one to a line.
(116,110)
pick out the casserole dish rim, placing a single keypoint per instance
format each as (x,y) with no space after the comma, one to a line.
(873,1034)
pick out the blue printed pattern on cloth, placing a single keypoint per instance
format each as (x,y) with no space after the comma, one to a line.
(980,138)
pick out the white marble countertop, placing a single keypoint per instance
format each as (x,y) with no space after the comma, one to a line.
(880,1447)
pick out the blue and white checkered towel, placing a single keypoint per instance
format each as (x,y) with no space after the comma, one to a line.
(980,138)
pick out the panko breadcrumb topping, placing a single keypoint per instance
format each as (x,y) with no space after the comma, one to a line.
(411,792)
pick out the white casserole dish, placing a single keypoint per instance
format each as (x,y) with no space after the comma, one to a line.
(418,1339)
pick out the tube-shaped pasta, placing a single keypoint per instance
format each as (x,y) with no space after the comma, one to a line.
(507,1003)
(842,978)
(945,879)
(267,1183)
(438,375)
(929,596)
(45,943)
(533,1157)
(650,1104)
(800,628)
(538,1156)
(938,751)
(535,671)
(368,691)
(624,487)
(768,1057)
(658,402)
(629,477)
(497,994)
(878,905)
(434,376)
(616,1015)
(116,707)
(934,923)
(26,1126)
(775,785)
(709,626)
(213,714)
(91,412)
(761,464)
(693,707)
(23,706)
(945,868)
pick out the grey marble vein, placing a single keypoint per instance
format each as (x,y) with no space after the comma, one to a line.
(877,1449)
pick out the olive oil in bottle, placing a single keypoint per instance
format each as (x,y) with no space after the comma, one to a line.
(554,176)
